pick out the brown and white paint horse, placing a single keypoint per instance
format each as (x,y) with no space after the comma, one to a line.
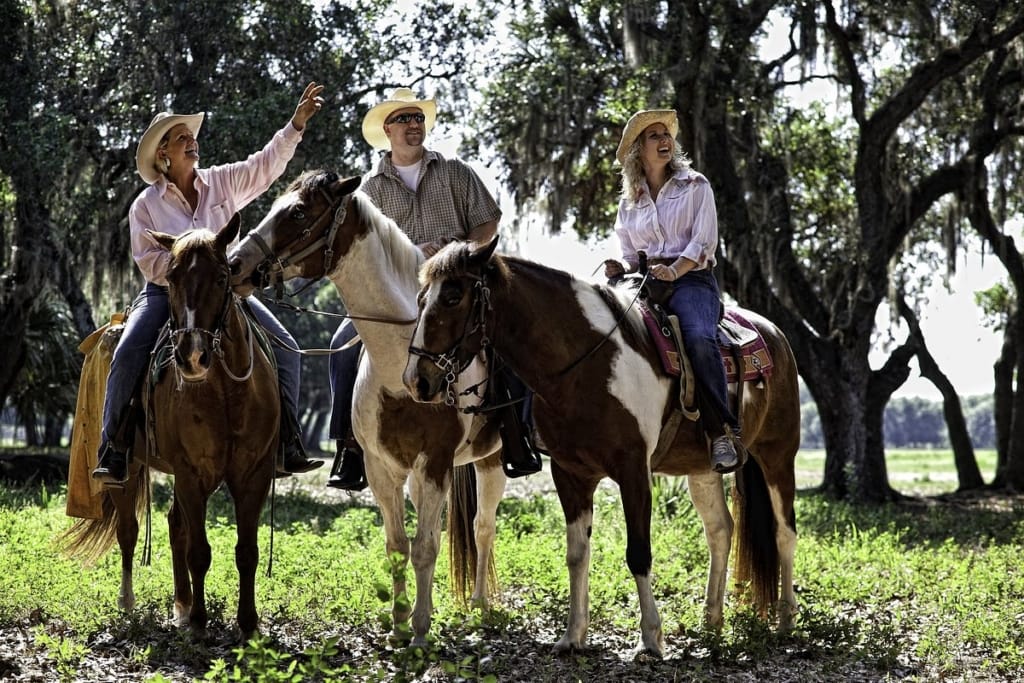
(601,402)
(214,415)
(321,226)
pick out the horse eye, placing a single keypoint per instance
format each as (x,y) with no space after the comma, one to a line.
(451,294)
(297,214)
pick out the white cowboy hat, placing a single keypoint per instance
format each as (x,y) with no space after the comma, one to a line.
(145,156)
(639,122)
(400,98)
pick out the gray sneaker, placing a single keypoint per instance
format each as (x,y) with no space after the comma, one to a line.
(723,455)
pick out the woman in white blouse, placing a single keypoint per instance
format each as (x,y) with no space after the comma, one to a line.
(667,210)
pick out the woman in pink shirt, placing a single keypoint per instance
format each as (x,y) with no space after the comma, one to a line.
(667,210)
(182,196)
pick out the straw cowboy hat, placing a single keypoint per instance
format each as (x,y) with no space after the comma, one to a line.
(400,98)
(145,156)
(639,121)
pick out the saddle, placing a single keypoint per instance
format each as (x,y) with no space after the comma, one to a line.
(740,344)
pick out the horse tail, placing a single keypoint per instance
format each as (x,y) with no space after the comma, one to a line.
(756,557)
(89,539)
(463,555)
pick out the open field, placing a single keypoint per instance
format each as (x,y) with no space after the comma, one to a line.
(932,589)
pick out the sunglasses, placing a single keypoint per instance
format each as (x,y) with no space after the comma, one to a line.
(406,118)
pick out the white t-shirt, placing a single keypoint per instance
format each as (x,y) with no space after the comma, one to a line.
(410,175)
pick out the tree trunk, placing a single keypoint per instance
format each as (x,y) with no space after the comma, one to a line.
(20,291)
(1015,446)
(1002,400)
(851,424)
(968,473)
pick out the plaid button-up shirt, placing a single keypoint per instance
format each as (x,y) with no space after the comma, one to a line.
(449,201)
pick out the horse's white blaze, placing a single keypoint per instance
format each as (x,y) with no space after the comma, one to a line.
(634,381)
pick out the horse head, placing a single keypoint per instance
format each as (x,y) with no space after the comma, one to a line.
(197,314)
(298,237)
(451,328)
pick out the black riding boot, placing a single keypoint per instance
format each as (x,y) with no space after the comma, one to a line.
(112,468)
(293,460)
(518,458)
(112,465)
(348,472)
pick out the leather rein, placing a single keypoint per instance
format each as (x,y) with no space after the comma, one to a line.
(449,363)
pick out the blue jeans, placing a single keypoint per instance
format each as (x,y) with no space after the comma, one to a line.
(697,303)
(344,366)
(148,314)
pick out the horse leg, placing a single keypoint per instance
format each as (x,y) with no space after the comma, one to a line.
(576,496)
(387,489)
(781,484)
(490,490)
(635,490)
(124,501)
(249,493)
(708,497)
(428,496)
(197,556)
(178,533)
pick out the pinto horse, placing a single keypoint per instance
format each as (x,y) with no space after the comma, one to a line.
(212,418)
(600,406)
(321,226)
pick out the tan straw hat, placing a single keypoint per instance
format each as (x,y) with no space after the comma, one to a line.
(639,122)
(400,98)
(145,156)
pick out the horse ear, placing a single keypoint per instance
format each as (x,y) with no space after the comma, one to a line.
(229,232)
(345,186)
(481,255)
(163,239)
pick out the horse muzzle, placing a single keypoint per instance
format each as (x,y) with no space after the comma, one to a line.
(424,381)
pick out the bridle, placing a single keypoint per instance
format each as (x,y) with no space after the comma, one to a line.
(449,361)
(456,359)
(176,334)
(271,268)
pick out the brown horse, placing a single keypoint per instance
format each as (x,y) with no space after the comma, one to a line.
(600,407)
(212,417)
(321,226)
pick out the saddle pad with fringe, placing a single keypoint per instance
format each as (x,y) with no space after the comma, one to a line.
(734,328)
(85,498)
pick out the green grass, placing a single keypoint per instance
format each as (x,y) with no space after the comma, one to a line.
(920,591)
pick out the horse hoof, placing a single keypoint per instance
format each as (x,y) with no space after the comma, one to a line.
(648,654)
(566,647)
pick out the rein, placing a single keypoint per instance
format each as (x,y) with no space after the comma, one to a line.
(272,267)
(447,361)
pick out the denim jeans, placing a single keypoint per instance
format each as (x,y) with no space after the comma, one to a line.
(343,368)
(148,314)
(696,301)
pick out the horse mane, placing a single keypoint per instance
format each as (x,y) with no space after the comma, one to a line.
(620,301)
(453,261)
(405,255)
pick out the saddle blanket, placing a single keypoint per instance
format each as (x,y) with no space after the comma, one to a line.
(734,328)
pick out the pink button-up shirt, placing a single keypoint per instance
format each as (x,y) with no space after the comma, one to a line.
(682,221)
(223,190)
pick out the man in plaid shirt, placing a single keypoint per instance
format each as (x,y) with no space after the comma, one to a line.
(433,200)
